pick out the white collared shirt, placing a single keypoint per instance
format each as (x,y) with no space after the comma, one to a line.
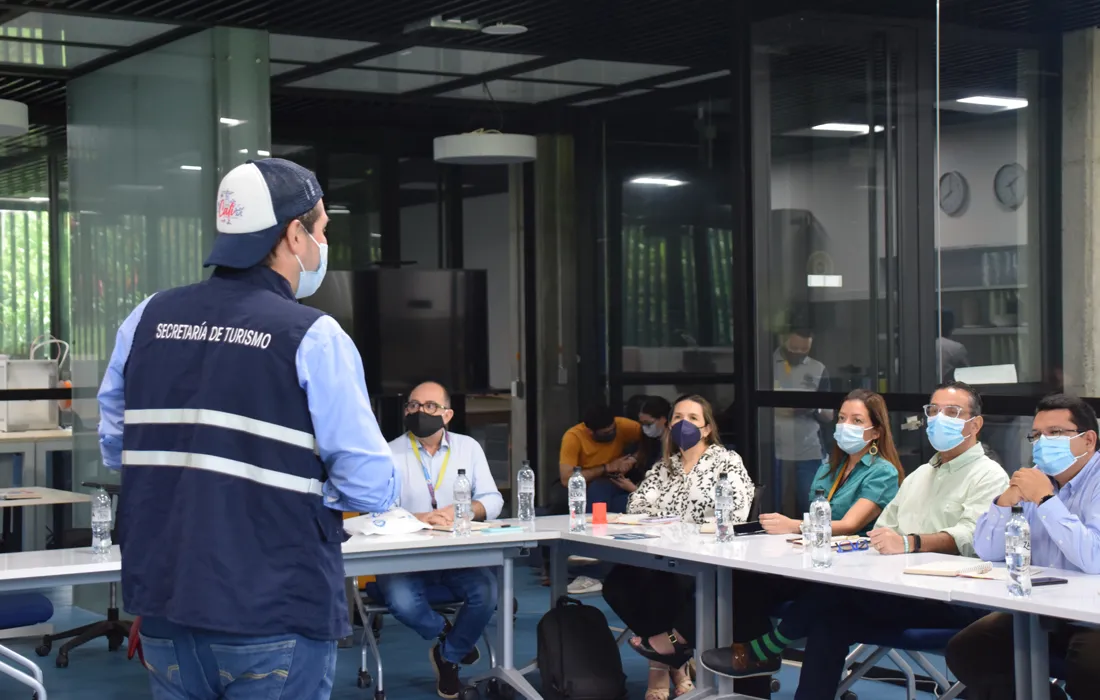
(465,453)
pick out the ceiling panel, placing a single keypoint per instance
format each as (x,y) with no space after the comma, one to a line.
(285,47)
(31,53)
(360,80)
(88,30)
(517,91)
(437,60)
(602,72)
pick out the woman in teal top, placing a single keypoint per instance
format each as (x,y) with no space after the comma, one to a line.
(860,477)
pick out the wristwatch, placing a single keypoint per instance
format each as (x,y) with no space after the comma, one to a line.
(1046,498)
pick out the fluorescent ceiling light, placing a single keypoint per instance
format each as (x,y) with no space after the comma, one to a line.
(229,121)
(657,181)
(35,200)
(846,128)
(263,154)
(987,101)
(834,281)
(190,167)
(338,210)
(38,199)
(243,151)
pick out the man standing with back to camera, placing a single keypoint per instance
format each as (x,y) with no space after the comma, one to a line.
(241,421)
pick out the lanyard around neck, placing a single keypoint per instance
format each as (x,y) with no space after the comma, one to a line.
(427,475)
(839,479)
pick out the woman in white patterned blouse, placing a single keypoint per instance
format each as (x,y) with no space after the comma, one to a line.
(659,605)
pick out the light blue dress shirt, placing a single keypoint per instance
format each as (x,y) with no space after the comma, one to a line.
(465,453)
(361,474)
(1065,531)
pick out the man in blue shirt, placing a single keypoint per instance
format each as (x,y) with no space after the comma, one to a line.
(428,457)
(241,422)
(1061,500)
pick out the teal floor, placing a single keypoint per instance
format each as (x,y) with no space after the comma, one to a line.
(96,674)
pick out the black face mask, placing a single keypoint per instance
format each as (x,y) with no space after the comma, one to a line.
(422,425)
(793,358)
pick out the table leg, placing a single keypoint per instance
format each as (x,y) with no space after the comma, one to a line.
(1021,635)
(704,636)
(559,573)
(506,671)
(1040,660)
(725,621)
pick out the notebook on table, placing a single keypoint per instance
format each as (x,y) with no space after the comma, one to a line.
(951,567)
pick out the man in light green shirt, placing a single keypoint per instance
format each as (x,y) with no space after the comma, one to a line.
(938,505)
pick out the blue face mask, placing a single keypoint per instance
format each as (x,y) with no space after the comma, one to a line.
(849,437)
(685,435)
(945,433)
(1053,455)
(309,281)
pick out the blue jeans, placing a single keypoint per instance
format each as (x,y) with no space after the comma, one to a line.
(410,598)
(606,491)
(190,664)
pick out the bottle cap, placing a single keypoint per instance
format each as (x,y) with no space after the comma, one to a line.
(1017,509)
(819,492)
(576,470)
(462,472)
(723,475)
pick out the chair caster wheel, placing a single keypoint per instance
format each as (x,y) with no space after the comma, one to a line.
(775,685)
(62,660)
(43,649)
(849,696)
(364,679)
(379,695)
(495,690)
(114,643)
(469,693)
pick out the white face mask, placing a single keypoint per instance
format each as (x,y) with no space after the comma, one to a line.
(309,281)
(653,431)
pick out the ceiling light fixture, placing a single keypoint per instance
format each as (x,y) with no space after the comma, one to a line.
(263,154)
(229,121)
(504,29)
(657,181)
(190,167)
(438,22)
(13,118)
(988,101)
(846,128)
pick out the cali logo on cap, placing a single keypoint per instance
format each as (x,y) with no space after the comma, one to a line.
(228,208)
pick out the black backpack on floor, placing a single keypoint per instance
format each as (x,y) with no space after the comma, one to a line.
(578,657)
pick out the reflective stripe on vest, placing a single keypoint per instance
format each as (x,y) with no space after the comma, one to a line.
(221,419)
(220,465)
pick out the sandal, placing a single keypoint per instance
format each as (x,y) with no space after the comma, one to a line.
(681,680)
(681,651)
(658,693)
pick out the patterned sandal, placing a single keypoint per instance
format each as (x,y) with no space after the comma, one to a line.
(657,693)
(681,680)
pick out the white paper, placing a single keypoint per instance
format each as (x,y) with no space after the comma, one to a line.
(396,521)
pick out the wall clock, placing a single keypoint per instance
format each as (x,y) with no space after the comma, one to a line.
(1010,185)
(954,193)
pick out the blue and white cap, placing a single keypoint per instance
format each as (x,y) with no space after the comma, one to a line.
(256,202)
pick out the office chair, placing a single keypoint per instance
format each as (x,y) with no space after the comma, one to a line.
(115,630)
(23,610)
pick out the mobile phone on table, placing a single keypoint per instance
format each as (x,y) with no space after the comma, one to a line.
(1047,581)
(752,528)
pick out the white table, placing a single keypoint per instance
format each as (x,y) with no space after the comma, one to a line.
(33,448)
(363,555)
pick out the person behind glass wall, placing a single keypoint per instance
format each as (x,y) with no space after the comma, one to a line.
(1061,501)
(634,405)
(659,605)
(600,445)
(653,416)
(952,353)
(798,445)
(860,478)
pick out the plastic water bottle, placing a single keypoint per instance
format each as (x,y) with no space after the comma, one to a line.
(821,535)
(463,503)
(101,522)
(723,509)
(1018,553)
(578,499)
(526,489)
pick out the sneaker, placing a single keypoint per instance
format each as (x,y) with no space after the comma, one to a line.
(739,661)
(447,683)
(583,585)
(472,657)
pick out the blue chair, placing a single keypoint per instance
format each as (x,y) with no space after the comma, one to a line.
(912,643)
(24,610)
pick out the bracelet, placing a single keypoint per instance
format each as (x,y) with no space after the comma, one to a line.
(905,541)
(916,543)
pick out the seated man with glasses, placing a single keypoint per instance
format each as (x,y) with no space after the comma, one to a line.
(427,459)
(1060,497)
(936,510)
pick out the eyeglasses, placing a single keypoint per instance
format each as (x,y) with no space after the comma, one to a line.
(853,545)
(932,410)
(1033,437)
(429,407)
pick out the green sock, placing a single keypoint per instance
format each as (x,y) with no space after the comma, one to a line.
(770,646)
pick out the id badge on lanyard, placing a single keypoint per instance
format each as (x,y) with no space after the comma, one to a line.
(432,488)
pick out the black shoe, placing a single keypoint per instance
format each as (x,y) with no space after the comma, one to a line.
(447,683)
(472,657)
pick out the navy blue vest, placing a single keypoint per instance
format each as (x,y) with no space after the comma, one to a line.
(221,521)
